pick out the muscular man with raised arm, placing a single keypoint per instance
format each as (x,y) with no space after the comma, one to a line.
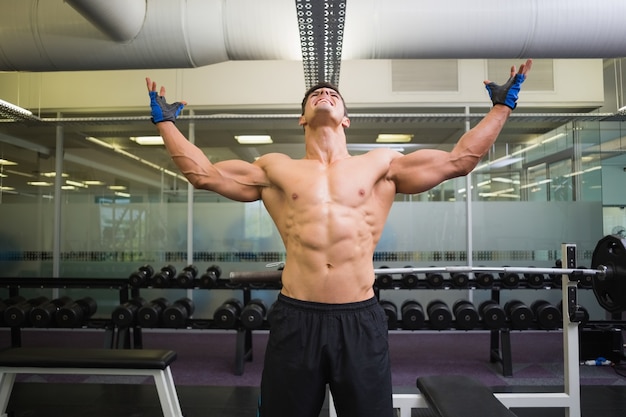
(330,209)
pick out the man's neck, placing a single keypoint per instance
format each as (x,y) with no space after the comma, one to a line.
(325,144)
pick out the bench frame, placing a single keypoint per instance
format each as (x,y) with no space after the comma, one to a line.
(162,378)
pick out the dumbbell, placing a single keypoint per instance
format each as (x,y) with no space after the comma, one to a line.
(484,280)
(409,279)
(557,279)
(187,277)
(548,316)
(4,304)
(459,279)
(125,314)
(227,314)
(17,314)
(253,314)
(509,279)
(141,277)
(75,313)
(210,277)
(465,314)
(581,315)
(434,280)
(43,315)
(520,315)
(150,314)
(384,280)
(534,279)
(391,311)
(176,315)
(585,281)
(165,277)
(439,315)
(412,315)
(492,314)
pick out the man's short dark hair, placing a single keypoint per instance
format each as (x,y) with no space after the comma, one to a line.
(319,85)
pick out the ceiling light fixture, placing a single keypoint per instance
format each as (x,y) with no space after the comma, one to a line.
(254,139)
(394,138)
(40,183)
(7,162)
(11,111)
(116,187)
(147,140)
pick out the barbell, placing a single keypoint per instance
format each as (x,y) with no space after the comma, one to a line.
(608,273)
(271,276)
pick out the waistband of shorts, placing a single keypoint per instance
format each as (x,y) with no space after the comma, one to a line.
(327,307)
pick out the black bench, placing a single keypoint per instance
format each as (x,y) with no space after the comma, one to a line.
(146,362)
(460,396)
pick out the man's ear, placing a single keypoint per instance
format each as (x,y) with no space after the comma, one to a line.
(345,122)
(302,121)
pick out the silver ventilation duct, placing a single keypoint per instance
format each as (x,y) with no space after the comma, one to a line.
(53,35)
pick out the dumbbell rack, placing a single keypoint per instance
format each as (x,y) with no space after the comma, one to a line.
(121,285)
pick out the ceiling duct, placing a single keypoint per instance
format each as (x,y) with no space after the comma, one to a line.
(52,36)
(121,20)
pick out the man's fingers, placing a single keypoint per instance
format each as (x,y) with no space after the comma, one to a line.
(161,92)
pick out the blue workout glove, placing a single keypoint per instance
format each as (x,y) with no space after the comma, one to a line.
(507,93)
(162,111)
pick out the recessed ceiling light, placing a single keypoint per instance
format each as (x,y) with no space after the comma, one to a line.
(394,138)
(147,140)
(254,139)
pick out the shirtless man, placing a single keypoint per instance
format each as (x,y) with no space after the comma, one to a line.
(330,209)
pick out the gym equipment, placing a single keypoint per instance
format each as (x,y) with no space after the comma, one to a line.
(509,279)
(384,280)
(465,315)
(75,313)
(187,277)
(253,314)
(434,279)
(141,277)
(150,314)
(520,315)
(459,279)
(125,314)
(439,315)
(16,314)
(210,277)
(392,313)
(492,314)
(412,315)
(176,315)
(484,280)
(585,280)
(409,280)
(547,315)
(610,288)
(43,314)
(460,396)
(534,279)
(227,314)
(165,277)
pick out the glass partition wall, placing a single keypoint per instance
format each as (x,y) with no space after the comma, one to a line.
(107,210)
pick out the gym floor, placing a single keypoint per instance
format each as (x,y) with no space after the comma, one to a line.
(127,400)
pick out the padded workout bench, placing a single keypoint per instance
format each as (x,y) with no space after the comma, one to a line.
(147,362)
(460,396)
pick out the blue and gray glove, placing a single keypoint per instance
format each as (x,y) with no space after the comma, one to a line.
(162,111)
(507,93)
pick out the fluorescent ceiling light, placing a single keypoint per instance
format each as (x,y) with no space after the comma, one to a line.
(93,182)
(147,140)
(117,187)
(75,183)
(4,188)
(504,162)
(99,142)
(7,162)
(254,139)
(68,187)
(53,174)
(394,138)
(121,194)
(40,183)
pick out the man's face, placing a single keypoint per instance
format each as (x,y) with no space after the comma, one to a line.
(326,101)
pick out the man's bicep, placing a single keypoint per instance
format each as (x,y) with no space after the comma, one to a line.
(421,170)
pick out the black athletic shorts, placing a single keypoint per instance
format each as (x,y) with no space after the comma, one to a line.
(315,344)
